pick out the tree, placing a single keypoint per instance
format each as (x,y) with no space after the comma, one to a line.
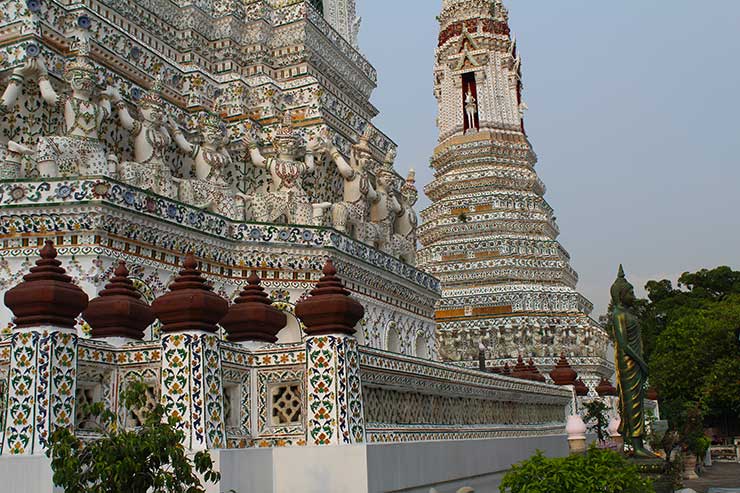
(597,418)
(695,291)
(696,359)
(150,458)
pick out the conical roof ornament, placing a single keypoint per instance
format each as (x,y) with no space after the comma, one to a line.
(191,304)
(520,369)
(534,372)
(563,374)
(252,316)
(329,309)
(119,311)
(47,295)
(605,388)
(581,388)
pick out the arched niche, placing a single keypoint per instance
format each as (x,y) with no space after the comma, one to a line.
(421,346)
(393,339)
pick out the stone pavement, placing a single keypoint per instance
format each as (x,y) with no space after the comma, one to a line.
(720,478)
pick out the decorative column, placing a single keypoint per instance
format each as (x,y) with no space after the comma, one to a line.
(608,393)
(119,314)
(564,375)
(43,356)
(252,320)
(192,389)
(335,413)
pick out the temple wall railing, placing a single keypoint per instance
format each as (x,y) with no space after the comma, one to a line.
(412,399)
(265,395)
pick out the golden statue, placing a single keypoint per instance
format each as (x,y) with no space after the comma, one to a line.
(632,371)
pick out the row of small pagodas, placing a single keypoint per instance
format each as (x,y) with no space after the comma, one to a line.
(562,374)
(47,296)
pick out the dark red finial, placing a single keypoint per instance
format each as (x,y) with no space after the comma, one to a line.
(119,311)
(190,303)
(581,388)
(329,269)
(534,373)
(605,388)
(48,251)
(190,263)
(121,270)
(47,295)
(252,316)
(563,374)
(330,309)
(520,370)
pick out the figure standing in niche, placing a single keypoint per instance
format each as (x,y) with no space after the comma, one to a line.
(79,149)
(12,152)
(285,197)
(351,215)
(210,189)
(149,170)
(471,109)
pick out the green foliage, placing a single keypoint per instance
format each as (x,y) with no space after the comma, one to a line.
(696,359)
(695,291)
(148,459)
(689,335)
(599,470)
(597,418)
(689,424)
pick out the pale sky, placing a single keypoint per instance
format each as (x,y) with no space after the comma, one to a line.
(633,113)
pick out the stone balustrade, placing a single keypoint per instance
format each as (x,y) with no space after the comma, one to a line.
(253,393)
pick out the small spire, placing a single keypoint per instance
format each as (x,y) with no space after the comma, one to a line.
(605,388)
(119,311)
(563,374)
(190,303)
(252,316)
(581,388)
(520,369)
(329,309)
(46,296)
(621,272)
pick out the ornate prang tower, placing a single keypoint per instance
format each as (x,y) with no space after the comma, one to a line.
(489,235)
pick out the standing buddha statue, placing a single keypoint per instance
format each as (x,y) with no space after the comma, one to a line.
(632,370)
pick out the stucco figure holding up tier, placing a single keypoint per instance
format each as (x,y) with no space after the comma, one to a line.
(78,150)
(352,215)
(404,230)
(284,200)
(12,152)
(384,210)
(632,370)
(210,188)
(149,170)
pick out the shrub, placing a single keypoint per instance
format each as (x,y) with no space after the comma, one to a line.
(598,471)
(150,458)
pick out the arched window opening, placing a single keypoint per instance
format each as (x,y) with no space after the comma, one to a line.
(422,348)
(470,102)
(394,340)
